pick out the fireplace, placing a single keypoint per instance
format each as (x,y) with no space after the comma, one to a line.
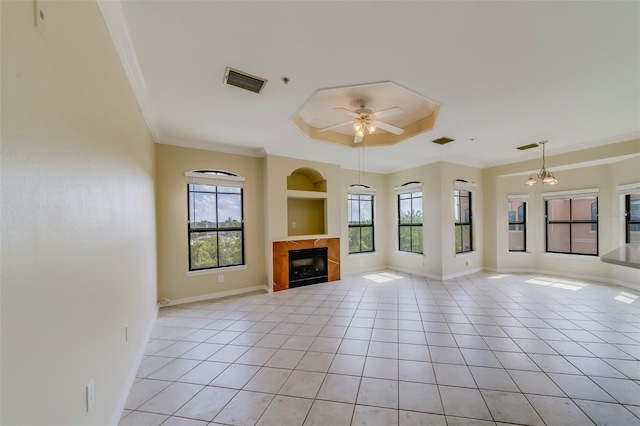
(308,266)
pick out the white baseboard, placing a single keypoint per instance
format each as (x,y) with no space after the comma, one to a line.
(217,295)
(461,274)
(134,369)
(414,272)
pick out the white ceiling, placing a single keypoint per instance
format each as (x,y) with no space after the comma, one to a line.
(505,73)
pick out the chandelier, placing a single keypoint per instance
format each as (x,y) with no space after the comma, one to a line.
(544,176)
(363,123)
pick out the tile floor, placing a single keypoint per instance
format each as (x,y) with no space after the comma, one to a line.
(389,349)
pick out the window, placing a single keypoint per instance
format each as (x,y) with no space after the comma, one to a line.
(517,225)
(216,224)
(632,217)
(360,220)
(463,220)
(410,218)
(572,225)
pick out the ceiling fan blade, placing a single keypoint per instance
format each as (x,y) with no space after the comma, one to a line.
(351,113)
(387,112)
(335,126)
(357,139)
(388,127)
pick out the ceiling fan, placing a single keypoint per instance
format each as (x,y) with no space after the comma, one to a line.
(366,120)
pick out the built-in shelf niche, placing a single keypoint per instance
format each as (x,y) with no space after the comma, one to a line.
(306,203)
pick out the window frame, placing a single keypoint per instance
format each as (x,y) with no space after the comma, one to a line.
(515,223)
(461,223)
(570,221)
(628,222)
(215,178)
(360,190)
(410,188)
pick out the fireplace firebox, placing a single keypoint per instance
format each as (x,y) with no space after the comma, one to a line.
(308,266)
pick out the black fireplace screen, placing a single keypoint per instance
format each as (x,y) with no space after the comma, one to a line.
(308,266)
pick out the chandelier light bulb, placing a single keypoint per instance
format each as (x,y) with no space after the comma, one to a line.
(357,126)
(544,176)
(371,128)
(360,132)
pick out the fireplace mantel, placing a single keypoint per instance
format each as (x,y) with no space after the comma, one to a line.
(281,258)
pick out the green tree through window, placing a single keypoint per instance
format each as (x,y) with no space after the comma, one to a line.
(360,220)
(410,222)
(216,229)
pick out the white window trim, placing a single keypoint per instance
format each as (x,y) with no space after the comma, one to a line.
(575,194)
(219,270)
(465,186)
(195,177)
(405,189)
(630,188)
(361,189)
(523,197)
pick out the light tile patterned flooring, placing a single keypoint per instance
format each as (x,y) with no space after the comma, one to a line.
(391,349)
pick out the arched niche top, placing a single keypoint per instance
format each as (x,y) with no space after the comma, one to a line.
(306,179)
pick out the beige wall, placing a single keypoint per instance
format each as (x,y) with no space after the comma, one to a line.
(459,264)
(276,170)
(439,259)
(362,262)
(78,224)
(173,246)
(605,178)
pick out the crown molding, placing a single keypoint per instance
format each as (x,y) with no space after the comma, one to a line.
(214,146)
(117,26)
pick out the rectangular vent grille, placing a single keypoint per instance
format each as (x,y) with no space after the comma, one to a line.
(442,141)
(244,81)
(531,145)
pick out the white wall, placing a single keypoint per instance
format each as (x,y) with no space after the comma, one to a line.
(78,224)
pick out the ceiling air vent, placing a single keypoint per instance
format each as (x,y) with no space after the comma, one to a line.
(244,81)
(531,145)
(442,141)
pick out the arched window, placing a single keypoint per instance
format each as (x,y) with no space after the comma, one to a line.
(215,219)
(360,214)
(410,217)
(463,215)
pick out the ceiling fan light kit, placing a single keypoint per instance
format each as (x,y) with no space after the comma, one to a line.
(367,121)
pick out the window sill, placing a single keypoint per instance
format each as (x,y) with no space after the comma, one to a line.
(409,253)
(364,253)
(466,253)
(216,270)
(519,253)
(573,256)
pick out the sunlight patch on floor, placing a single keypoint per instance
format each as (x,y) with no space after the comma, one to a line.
(558,283)
(626,297)
(382,277)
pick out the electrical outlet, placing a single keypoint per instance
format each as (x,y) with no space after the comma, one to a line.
(220,278)
(91,394)
(467,263)
(573,263)
(293,225)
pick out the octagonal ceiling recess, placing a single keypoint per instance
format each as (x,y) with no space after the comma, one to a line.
(414,114)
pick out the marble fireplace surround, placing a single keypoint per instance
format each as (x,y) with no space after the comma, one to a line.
(281,258)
